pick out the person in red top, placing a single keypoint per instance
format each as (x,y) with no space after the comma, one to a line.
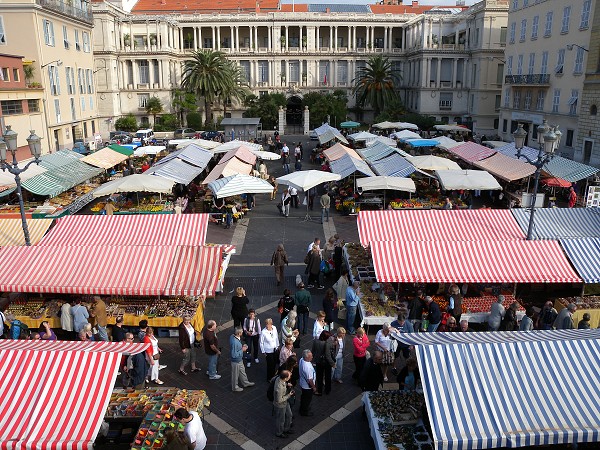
(572,197)
(145,166)
(361,344)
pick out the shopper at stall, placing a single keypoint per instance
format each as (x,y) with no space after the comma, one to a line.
(291,364)
(360,343)
(143,326)
(319,325)
(584,323)
(80,315)
(252,330)
(66,321)
(340,337)
(269,346)
(136,367)
(325,202)
(449,326)
(497,313)
(383,343)
(289,328)
(239,379)
(341,286)
(287,350)
(187,344)
(324,360)
(279,260)
(509,321)
(239,306)
(330,307)
(402,326)
(282,392)
(371,377)
(286,200)
(211,348)
(154,352)
(328,249)
(46,333)
(98,312)
(352,301)
(285,305)
(118,334)
(307,382)
(192,428)
(464,327)
(86,333)
(455,299)
(317,242)
(527,320)
(434,314)
(572,197)
(313,267)
(294,195)
(338,265)
(564,320)
(408,376)
(447,204)
(546,317)
(302,300)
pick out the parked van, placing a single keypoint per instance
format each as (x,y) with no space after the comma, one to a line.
(144,136)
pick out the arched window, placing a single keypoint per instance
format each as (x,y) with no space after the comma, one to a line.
(593,110)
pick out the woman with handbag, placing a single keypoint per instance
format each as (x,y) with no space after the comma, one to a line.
(187,343)
(361,344)
(383,342)
(153,353)
(323,358)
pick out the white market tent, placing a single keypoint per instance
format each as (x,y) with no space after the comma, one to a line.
(430,162)
(469,180)
(405,125)
(181,143)
(306,179)
(239,184)
(135,183)
(455,128)
(383,182)
(326,133)
(362,136)
(149,150)
(384,140)
(232,145)
(445,142)
(405,134)
(266,156)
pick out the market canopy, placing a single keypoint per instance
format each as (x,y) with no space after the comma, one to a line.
(228,168)
(561,223)
(120,149)
(47,384)
(347,165)
(306,179)
(349,124)
(105,158)
(402,125)
(455,128)
(504,167)
(394,165)
(175,170)
(362,136)
(239,184)
(430,162)
(445,142)
(191,154)
(384,140)
(405,134)
(182,143)
(420,142)
(378,150)
(195,271)
(266,156)
(135,183)
(11,231)
(326,133)
(480,398)
(7,180)
(243,153)
(584,254)
(556,182)
(232,145)
(468,180)
(383,182)
(471,262)
(438,225)
(471,151)
(149,150)
(385,125)
(136,229)
(338,150)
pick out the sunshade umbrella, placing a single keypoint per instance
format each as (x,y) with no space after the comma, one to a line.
(306,179)
(266,156)
(446,142)
(135,183)
(349,124)
(430,162)
(239,184)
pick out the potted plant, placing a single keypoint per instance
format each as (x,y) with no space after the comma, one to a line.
(282,40)
(29,71)
(127,40)
(153,39)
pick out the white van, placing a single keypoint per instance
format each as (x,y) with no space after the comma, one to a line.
(143,136)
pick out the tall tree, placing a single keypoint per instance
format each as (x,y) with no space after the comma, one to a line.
(206,74)
(236,87)
(154,106)
(375,84)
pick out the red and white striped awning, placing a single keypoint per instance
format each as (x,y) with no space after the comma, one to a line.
(140,230)
(55,394)
(472,262)
(195,271)
(438,225)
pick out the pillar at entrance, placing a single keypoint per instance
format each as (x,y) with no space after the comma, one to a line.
(281,121)
(306,118)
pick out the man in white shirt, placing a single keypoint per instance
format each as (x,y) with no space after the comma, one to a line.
(193,431)
(316,242)
(294,195)
(307,382)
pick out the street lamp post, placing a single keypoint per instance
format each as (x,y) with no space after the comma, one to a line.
(10,143)
(548,140)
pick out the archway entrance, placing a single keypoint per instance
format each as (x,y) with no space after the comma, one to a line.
(294,115)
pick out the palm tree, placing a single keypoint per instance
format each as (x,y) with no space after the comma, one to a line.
(154,106)
(375,84)
(206,75)
(236,87)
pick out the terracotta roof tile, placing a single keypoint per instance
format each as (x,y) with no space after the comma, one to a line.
(303,7)
(202,6)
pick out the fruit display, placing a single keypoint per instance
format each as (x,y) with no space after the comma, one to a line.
(68,197)
(376,303)
(588,302)
(153,204)
(397,406)
(423,203)
(35,309)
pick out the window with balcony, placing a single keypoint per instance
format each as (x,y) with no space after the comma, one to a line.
(531,67)
(245,67)
(544,66)
(560,62)
(548,29)
(143,100)
(556,100)
(573,102)
(65,37)
(2,34)
(534,27)
(565,20)
(144,69)
(509,64)
(324,77)
(520,65)
(48,32)
(207,42)
(294,68)
(342,73)
(527,103)
(33,105)
(585,14)
(513,30)
(516,99)
(11,107)
(506,97)
(523,30)
(578,69)
(539,106)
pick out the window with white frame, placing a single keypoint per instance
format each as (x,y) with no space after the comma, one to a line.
(516,99)
(294,68)
(509,64)
(585,14)
(86,42)
(2,34)
(89,81)
(57,110)
(144,69)
(535,24)
(511,35)
(48,32)
(82,103)
(245,68)
(573,102)
(523,30)
(531,67)
(565,19)
(77,43)
(54,80)
(81,81)
(515,4)
(15,73)
(263,71)
(70,80)
(506,97)
(548,29)
(556,100)
(4,74)
(541,97)
(560,61)
(73,111)
(143,100)
(342,72)
(527,105)
(520,65)
(544,66)
(578,69)
(65,37)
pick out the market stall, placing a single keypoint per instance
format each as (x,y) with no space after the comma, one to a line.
(430,162)
(378,150)
(182,166)
(338,150)
(347,165)
(471,152)
(468,180)
(326,133)
(561,223)
(107,157)
(11,231)
(506,168)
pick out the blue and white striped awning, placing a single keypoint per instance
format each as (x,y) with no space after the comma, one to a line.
(347,165)
(497,337)
(393,166)
(176,170)
(584,254)
(379,150)
(511,394)
(561,223)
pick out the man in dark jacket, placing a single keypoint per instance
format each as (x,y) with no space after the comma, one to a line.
(415,310)
(136,368)
(371,377)
(434,314)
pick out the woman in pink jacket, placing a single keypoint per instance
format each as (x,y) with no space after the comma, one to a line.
(361,344)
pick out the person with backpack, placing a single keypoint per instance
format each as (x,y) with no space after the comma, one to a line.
(282,391)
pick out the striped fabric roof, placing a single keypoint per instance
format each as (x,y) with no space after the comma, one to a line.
(243,153)
(584,254)
(7,179)
(32,422)
(239,184)
(394,165)
(505,167)
(378,150)
(11,231)
(176,170)
(479,398)
(195,271)
(326,133)
(496,337)
(471,151)
(438,225)
(231,167)
(561,223)
(347,165)
(471,262)
(338,150)
(104,158)
(138,230)
(192,154)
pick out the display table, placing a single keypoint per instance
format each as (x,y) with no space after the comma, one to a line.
(373,320)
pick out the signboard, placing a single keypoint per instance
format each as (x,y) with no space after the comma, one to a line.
(593,197)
